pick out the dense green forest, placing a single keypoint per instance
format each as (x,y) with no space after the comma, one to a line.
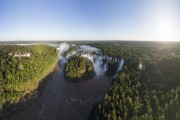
(78,68)
(112,68)
(20,75)
(149,94)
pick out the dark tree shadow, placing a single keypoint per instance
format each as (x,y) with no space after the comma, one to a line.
(9,108)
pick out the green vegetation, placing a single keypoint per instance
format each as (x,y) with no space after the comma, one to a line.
(149,94)
(20,75)
(112,68)
(71,49)
(78,68)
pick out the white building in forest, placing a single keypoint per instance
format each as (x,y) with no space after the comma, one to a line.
(20,55)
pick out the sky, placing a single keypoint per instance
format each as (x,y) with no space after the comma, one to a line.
(90,20)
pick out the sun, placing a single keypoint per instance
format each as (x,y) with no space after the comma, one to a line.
(166,30)
(163,27)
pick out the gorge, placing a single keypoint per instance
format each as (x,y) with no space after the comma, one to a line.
(66,100)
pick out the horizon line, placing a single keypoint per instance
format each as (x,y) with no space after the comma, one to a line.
(88,40)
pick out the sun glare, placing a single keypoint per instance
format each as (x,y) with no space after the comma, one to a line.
(162,21)
(166,30)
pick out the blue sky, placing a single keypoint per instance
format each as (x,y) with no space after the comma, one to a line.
(89,20)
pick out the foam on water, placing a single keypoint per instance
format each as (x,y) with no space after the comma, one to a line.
(100,67)
(63,47)
(89,48)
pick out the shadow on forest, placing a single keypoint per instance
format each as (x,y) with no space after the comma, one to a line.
(9,108)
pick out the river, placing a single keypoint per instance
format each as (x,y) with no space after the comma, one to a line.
(63,100)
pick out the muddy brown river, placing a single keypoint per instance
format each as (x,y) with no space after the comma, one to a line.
(63,100)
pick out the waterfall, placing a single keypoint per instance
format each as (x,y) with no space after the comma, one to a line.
(63,47)
(120,65)
(98,59)
(105,67)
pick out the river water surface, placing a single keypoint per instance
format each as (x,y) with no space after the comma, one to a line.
(63,100)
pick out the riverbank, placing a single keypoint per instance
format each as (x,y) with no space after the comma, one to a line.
(34,96)
(65,100)
(22,69)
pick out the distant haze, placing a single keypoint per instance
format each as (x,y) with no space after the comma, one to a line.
(90,20)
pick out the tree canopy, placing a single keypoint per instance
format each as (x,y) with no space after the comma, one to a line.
(78,68)
(149,94)
(20,76)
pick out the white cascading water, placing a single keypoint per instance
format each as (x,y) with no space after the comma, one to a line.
(97,62)
(63,47)
(98,65)
(88,56)
(89,48)
(87,51)
(105,67)
(120,65)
